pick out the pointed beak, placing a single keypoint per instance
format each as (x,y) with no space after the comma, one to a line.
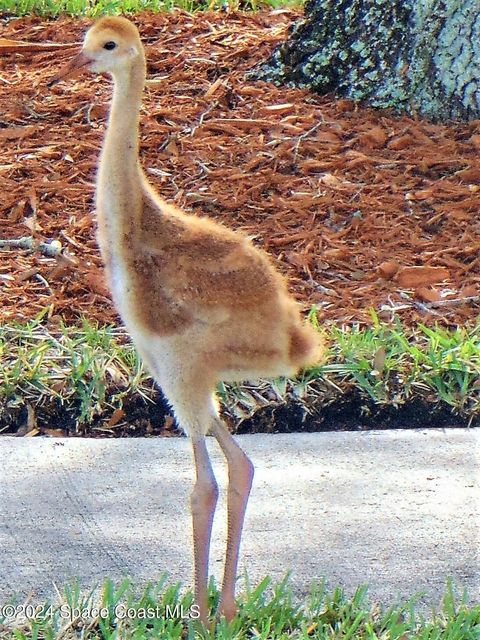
(76,65)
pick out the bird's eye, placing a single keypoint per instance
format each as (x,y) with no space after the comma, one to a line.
(110,45)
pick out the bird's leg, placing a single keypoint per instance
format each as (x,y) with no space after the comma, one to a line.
(240,477)
(203,501)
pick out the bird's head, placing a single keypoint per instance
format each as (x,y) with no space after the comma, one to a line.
(110,45)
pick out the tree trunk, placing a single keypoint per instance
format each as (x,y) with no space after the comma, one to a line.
(419,56)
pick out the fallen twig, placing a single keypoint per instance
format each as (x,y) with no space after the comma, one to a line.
(17,46)
(48,249)
(305,135)
(453,301)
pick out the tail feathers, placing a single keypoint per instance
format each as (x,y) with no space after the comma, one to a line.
(306,346)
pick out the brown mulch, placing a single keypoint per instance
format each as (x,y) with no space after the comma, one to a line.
(347,199)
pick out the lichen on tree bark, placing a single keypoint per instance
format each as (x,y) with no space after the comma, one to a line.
(419,56)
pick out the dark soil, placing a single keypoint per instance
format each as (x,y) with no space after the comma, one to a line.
(352,411)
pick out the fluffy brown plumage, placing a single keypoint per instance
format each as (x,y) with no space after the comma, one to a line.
(201,303)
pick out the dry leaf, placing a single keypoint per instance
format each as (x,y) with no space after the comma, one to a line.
(401,142)
(428,294)
(59,386)
(168,423)
(388,269)
(374,138)
(410,277)
(11,133)
(115,418)
(54,433)
(298,259)
(379,359)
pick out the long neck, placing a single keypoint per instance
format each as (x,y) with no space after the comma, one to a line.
(119,196)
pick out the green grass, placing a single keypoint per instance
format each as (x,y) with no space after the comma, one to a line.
(94,369)
(391,363)
(89,367)
(96,8)
(266,612)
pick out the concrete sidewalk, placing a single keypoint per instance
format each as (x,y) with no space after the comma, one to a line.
(399,510)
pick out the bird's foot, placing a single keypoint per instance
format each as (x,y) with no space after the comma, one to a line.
(228,609)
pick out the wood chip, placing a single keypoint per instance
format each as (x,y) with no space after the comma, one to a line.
(12,133)
(388,269)
(428,294)
(414,276)
(115,418)
(334,191)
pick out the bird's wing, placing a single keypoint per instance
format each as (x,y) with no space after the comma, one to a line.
(204,265)
(215,278)
(240,276)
